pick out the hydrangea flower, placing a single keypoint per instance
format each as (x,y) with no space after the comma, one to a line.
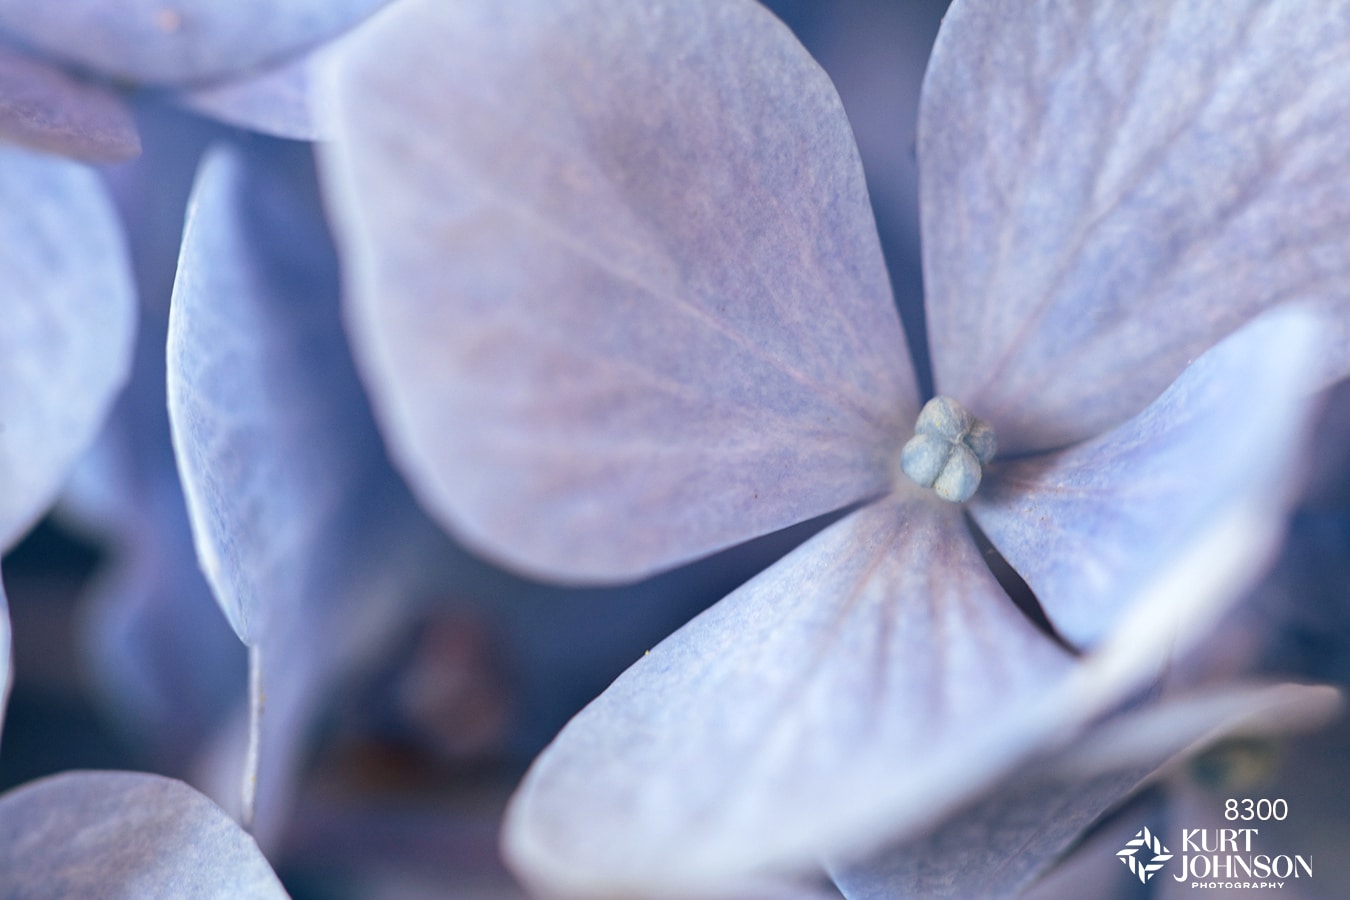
(617,294)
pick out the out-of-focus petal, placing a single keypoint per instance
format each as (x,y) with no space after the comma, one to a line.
(155,42)
(159,655)
(996,846)
(1311,778)
(873,678)
(1087,526)
(1109,188)
(47,109)
(613,278)
(1091,867)
(67,318)
(313,546)
(125,834)
(274,101)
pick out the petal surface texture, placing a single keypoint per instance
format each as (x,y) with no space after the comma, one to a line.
(872,678)
(47,109)
(67,319)
(154,42)
(311,543)
(125,835)
(613,277)
(245,398)
(1109,188)
(1088,527)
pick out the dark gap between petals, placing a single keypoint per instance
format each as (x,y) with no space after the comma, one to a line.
(1017,590)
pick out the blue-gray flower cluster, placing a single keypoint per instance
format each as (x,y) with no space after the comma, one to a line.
(596,290)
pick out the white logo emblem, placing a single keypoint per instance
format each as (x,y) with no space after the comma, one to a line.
(1145,839)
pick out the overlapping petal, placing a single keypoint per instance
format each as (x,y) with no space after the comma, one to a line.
(157,651)
(311,543)
(1109,188)
(1087,526)
(47,109)
(996,846)
(249,389)
(154,42)
(67,318)
(613,278)
(125,834)
(273,101)
(874,677)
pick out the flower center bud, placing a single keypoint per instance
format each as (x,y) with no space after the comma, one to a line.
(949,450)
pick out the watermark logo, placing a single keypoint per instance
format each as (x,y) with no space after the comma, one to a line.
(1150,843)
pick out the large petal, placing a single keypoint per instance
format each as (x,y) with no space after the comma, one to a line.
(613,278)
(1087,526)
(995,847)
(67,318)
(157,43)
(48,109)
(1108,188)
(125,834)
(871,680)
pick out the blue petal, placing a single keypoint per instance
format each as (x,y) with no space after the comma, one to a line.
(47,109)
(67,319)
(859,688)
(1109,188)
(251,387)
(125,834)
(1090,526)
(161,657)
(274,101)
(614,281)
(312,545)
(155,42)
(996,846)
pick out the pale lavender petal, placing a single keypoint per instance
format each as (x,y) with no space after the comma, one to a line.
(67,319)
(312,545)
(274,101)
(45,108)
(159,655)
(125,834)
(1092,868)
(613,278)
(158,42)
(1109,188)
(1088,527)
(249,390)
(863,686)
(998,845)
